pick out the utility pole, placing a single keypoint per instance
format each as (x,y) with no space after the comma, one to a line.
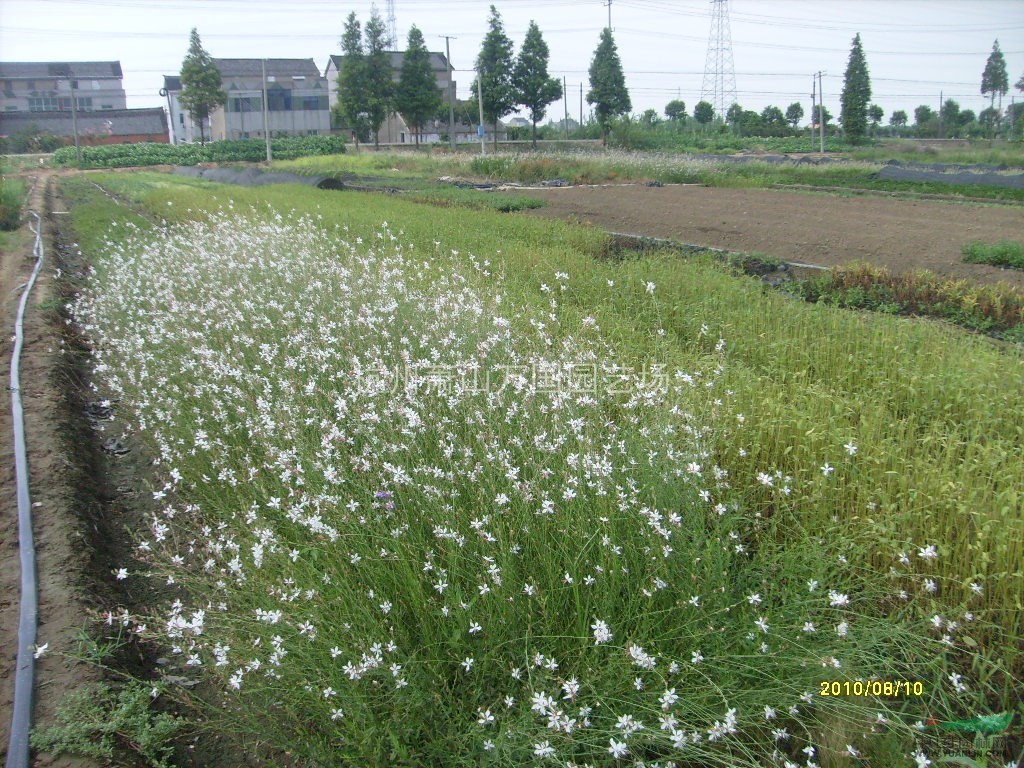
(942,121)
(74,120)
(266,116)
(581,105)
(451,90)
(821,111)
(565,103)
(480,102)
(814,105)
(609,4)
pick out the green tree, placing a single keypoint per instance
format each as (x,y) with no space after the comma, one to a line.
(750,123)
(608,92)
(201,91)
(379,84)
(353,94)
(704,112)
(773,122)
(994,79)
(794,114)
(534,88)
(898,120)
(733,115)
(494,72)
(949,117)
(989,117)
(875,115)
(418,96)
(649,118)
(675,110)
(856,94)
(1019,85)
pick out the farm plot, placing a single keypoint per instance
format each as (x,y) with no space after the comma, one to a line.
(451,493)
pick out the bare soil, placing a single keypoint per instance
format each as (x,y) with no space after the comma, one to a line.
(828,230)
(62,546)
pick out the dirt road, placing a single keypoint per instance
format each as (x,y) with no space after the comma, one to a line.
(61,547)
(810,228)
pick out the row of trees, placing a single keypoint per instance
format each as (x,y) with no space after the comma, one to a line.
(367,91)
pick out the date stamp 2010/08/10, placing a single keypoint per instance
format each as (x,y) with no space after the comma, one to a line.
(879,688)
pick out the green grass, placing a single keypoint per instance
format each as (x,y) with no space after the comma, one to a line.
(1007,253)
(616,166)
(933,414)
(12,197)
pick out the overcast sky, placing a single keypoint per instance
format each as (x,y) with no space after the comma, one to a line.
(915,49)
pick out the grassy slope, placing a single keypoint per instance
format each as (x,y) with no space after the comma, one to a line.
(935,413)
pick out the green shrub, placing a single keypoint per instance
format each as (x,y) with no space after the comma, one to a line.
(1003,254)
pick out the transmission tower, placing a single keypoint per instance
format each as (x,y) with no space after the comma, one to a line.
(392,25)
(719,86)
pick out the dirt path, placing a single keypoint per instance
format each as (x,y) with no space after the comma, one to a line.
(812,228)
(61,547)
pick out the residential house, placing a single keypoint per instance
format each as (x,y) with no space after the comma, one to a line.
(183,128)
(111,126)
(395,130)
(37,96)
(296,93)
(47,86)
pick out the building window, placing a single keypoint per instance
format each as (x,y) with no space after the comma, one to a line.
(245,104)
(279,100)
(106,106)
(95,85)
(314,103)
(44,103)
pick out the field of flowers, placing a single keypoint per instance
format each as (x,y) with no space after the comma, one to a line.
(445,491)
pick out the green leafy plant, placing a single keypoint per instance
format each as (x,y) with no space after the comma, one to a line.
(231,150)
(102,722)
(1007,253)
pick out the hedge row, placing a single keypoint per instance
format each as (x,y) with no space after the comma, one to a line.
(243,150)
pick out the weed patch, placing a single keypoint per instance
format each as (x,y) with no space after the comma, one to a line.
(993,309)
(1005,254)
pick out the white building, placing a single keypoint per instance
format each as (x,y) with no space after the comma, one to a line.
(296,93)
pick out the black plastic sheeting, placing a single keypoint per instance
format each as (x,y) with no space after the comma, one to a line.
(253,177)
(939,173)
(895,170)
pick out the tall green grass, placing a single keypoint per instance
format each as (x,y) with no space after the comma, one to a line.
(840,436)
(12,197)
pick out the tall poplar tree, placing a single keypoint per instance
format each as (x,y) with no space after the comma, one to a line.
(380,87)
(994,79)
(201,91)
(856,95)
(353,96)
(418,96)
(494,72)
(608,92)
(535,89)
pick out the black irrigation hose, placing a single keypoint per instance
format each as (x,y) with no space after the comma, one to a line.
(21,719)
